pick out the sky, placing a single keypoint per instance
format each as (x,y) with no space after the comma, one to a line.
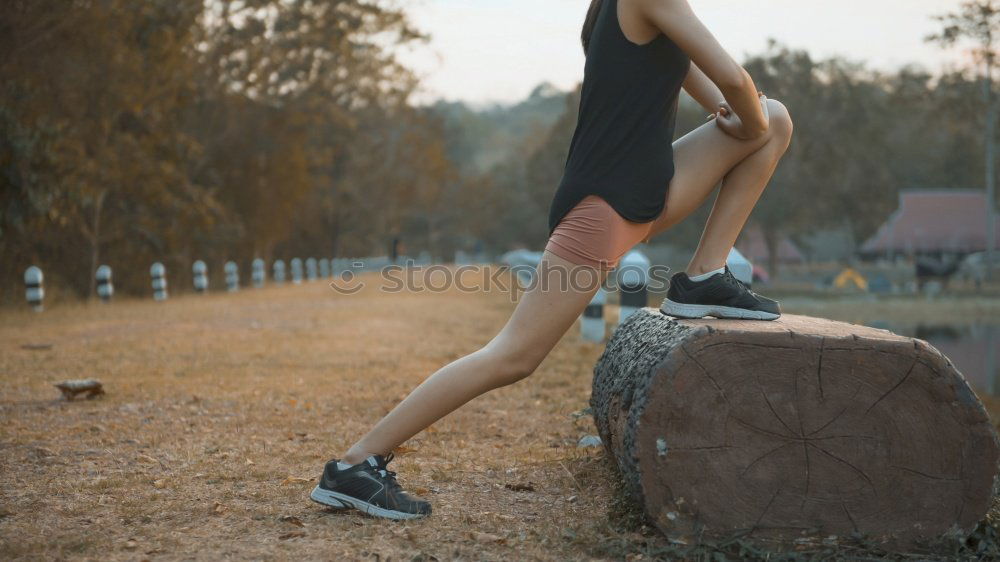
(484,51)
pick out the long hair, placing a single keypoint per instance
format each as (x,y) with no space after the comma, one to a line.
(589,23)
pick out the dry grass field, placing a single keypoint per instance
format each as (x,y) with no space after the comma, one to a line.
(221,410)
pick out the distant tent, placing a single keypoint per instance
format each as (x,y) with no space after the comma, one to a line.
(932,221)
(751,244)
(850,276)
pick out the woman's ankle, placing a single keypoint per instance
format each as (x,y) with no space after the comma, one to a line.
(700,274)
(355,455)
(701,269)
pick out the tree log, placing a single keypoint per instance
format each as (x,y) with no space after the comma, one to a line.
(801,427)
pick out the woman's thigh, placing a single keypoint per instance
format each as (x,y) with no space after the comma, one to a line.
(702,158)
(560,292)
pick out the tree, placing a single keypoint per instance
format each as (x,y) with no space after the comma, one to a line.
(978,22)
(835,172)
(174,130)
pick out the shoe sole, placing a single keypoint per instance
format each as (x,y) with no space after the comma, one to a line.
(681,310)
(337,500)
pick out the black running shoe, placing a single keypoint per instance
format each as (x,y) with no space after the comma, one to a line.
(370,487)
(721,295)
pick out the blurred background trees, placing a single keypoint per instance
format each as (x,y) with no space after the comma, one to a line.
(175,130)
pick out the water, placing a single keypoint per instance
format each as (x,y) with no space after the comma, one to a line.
(974,349)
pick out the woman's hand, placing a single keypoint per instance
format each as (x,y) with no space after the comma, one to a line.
(730,123)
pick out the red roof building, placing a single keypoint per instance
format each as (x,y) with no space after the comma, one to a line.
(934,221)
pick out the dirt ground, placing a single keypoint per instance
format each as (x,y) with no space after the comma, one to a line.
(221,410)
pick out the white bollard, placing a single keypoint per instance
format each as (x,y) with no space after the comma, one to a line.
(158,273)
(232,276)
(259,273)
(34,289)
(592,321)
(633,280)
(105,287)
(200,271)
(324,268)
(311,269)
(279,272)
(296,271)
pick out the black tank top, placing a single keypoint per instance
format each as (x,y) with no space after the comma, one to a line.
(621,149)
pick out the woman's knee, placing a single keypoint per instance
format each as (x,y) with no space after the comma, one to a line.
(515,369)
(510,365)
(780,122)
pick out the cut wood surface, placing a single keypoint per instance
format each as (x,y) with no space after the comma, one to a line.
(792,428)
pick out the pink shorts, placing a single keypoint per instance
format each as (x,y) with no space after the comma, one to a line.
(594,234)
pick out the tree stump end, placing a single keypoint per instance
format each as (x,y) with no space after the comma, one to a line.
(800,427)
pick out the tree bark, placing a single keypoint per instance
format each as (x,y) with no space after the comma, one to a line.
(792,428)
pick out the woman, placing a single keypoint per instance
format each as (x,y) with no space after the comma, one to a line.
(623,184)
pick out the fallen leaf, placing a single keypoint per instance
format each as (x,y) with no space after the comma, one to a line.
(401,450)
(218,509)
(521,487)
(293,520)
(295,480)
(131,545)
(159,484)
(249,462)
(420,491)
(292,535)
(486,537)
(146,459)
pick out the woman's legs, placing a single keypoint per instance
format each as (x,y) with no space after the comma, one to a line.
(702,158)
(706,156)
(544,313)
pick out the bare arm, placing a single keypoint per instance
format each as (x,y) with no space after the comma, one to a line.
(678,22)
(703,90)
